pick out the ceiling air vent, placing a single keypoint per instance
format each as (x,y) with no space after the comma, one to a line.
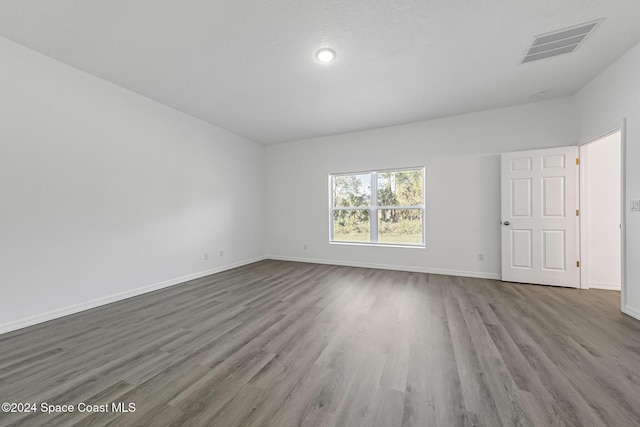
(559,42)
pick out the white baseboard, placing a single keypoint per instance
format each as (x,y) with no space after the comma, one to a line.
(54,314)
(635,313)
(608,286)
(476,274)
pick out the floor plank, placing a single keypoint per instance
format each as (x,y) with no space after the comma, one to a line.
(293,344)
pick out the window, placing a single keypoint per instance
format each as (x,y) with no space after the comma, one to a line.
(390,214)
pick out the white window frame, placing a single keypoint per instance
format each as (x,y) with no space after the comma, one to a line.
(373,208)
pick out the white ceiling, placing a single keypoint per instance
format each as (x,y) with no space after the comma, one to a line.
(248,66)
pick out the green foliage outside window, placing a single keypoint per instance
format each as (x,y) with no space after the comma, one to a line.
(398,210)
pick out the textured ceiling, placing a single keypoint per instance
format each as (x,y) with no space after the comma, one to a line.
(248,66)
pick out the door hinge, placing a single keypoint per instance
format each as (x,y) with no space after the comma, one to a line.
(578,264)
(577,161)
(577,212)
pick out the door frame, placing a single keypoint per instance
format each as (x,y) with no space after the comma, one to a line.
(623,215)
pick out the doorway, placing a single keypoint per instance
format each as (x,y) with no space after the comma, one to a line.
(600,205)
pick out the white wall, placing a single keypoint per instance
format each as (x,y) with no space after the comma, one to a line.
(105,193)
(602,104)
(462,194)
(600,168)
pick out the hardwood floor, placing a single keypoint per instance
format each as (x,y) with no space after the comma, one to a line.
(287,344)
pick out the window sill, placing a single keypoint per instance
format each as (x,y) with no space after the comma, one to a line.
(380,245)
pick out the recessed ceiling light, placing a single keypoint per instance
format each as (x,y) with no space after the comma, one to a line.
(325,55)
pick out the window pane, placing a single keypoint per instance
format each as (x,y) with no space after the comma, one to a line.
(402,226)
(351,226)
(400,188)
(352,190)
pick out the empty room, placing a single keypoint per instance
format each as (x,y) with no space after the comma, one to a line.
(319,213)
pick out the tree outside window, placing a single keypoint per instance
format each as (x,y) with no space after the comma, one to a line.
(392,214)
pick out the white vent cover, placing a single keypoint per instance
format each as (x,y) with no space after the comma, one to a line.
(559,42)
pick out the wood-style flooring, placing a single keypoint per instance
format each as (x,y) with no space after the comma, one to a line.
(292,344)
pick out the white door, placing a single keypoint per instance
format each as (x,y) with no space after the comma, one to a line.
(539,217)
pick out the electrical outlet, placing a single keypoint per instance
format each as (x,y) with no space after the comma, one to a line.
(221,253)
(305,246)
(206,256)
(635,206)
(480,257)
